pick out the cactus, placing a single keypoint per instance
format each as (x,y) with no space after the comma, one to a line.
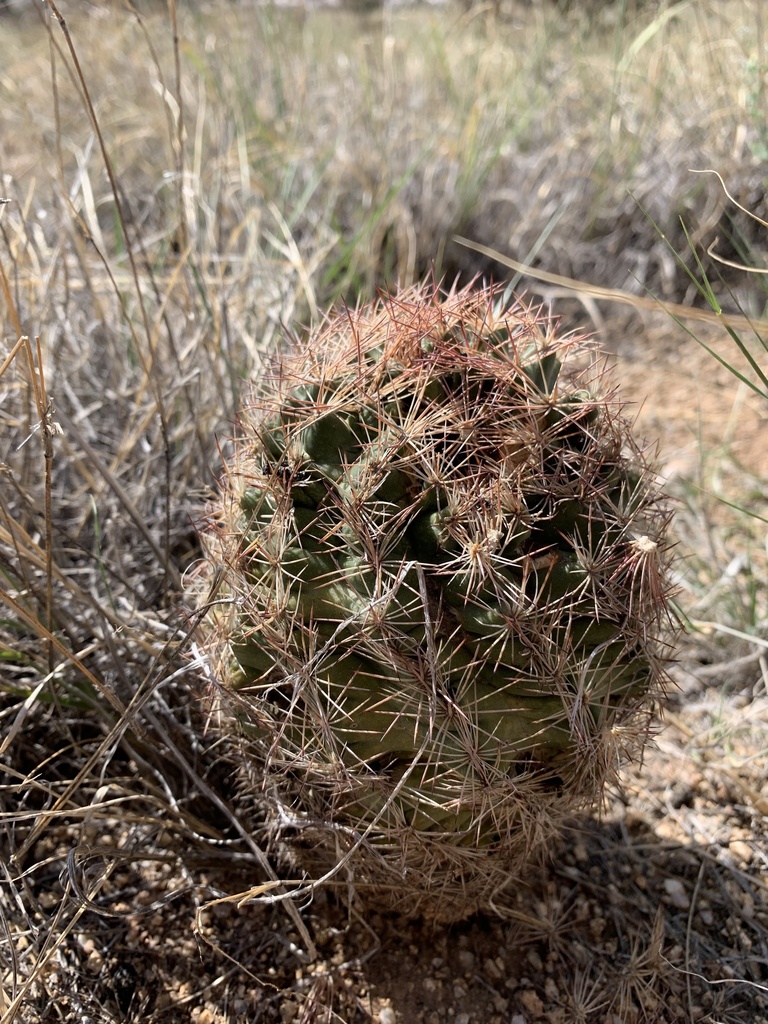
(447,571)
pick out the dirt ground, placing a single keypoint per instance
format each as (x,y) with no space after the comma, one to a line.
(652,910)
(686,399)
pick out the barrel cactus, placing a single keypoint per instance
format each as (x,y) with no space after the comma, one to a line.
(447,595)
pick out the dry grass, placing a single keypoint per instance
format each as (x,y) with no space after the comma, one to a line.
(158,233)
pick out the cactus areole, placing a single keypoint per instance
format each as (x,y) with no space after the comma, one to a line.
(446,563)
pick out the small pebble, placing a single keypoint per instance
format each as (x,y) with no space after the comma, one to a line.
(492,969)
(676,893)
(288,1012)
(741,851)
(466,959)
(580,853)
(531,1002)
(534,960)
(551,991)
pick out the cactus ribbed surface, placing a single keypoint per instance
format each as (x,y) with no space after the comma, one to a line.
(447,568)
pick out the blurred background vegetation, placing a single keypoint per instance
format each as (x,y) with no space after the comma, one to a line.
(354,144)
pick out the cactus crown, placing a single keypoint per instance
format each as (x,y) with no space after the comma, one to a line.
(448,568)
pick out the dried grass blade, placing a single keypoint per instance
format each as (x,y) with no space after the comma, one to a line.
(674,309)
